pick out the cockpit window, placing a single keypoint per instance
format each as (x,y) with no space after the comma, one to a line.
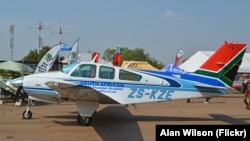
(85,70)
(68,68)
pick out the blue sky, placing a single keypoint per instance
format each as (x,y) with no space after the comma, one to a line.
(159,27)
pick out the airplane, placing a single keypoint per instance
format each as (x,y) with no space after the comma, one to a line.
(6,87)
(89,84)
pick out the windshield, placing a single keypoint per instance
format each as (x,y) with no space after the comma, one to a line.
(68,68)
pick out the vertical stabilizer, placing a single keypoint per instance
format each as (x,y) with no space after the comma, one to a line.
(224,62)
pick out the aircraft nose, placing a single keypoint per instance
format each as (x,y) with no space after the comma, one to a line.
(15,82)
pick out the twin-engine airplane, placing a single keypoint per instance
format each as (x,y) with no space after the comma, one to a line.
(90,84)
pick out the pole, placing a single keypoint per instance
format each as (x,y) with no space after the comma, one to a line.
(11,30)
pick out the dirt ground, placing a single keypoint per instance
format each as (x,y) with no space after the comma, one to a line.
(117,122)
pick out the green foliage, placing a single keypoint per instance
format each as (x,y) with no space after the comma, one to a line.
(34,56)
(138,54)
(107,54)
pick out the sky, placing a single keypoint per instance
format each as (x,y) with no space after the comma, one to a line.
(159,27)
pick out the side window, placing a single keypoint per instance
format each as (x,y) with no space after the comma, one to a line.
(85,70)
(126,75)
(107,72)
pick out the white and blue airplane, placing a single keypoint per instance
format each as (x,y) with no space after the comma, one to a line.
(90,84)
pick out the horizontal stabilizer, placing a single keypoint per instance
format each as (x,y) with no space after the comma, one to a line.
(209,86)
(228,89)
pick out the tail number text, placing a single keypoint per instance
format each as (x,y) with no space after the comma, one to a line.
(159,94)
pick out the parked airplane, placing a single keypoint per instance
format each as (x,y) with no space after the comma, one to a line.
(90,84)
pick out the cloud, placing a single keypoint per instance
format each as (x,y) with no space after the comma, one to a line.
(172,15)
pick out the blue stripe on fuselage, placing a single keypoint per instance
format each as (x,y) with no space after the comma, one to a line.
(43,90)
(185,76)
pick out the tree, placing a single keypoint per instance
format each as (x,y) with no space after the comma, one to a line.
(34,56)
(138,54)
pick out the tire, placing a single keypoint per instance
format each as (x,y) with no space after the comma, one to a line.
(28,115)
(83,121)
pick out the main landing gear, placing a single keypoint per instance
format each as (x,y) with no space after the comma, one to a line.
(86,111)
(84,121)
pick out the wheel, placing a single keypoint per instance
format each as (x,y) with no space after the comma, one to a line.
(27,115)
(83,121)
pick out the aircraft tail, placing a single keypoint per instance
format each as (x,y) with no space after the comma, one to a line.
(224,62)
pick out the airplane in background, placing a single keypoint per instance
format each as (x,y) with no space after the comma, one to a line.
(9,90)
(90,84)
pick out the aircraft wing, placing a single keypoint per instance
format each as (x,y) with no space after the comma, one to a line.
(7,88)
(229,90)
(74,92)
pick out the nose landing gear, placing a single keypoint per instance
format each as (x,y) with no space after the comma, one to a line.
(27,114)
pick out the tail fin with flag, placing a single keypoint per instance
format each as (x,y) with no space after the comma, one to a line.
(48,59)
(74,52)
(224,62)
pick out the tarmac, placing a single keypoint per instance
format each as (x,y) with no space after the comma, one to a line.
(51,122)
